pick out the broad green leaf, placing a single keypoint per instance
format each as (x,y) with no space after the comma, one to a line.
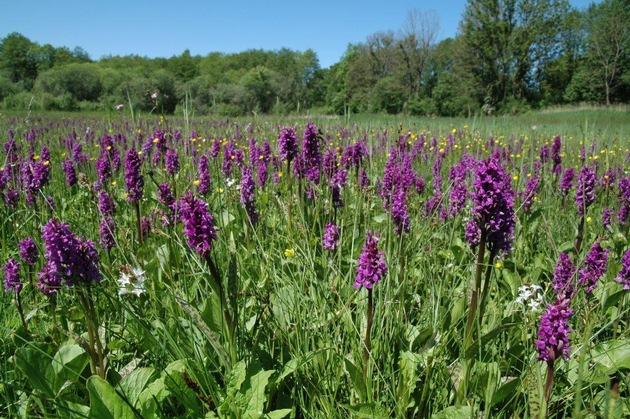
(252,395)
(67,365)
(105,403)
(608,358)
(72,410)
(295,363)
(34,360)
(356,376)
(566,247)
(151,396)
(212,314)
(473,349)
(278,414)
(408,377)
(236,378)
(610,406)
(378,219)
(367,410)
(226,218)
(175,384)
(454,412)
(508,391)
(614,299)
(134,383)
(206,330)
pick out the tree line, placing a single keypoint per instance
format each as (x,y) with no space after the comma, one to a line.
(508,56)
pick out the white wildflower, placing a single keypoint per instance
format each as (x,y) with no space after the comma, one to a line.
(131,281)
(530,296)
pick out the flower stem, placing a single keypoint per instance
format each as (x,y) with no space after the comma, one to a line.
(486,285)
(367,344)
(580,236)
(138,222)
(216,276)
(549,384)
(475,291)
(21,310)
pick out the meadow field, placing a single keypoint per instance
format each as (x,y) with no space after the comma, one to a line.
(306,267)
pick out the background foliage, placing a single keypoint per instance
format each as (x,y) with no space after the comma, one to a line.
(509,56)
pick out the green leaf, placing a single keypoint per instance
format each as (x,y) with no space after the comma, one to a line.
(356,376)
(295,363)
(226,218)
(508,390)
(408,366)
(176,385)
(614,299)
(473,349)
(34,360)
(610,357)
(566,247)
(67,365)
(610,406)
(236,378)
(278,414)
(252,395)
(212,314)
(367,410)
(73,410)
(133,384)
(378,219)
(151,396)
(105,403)
(454,412)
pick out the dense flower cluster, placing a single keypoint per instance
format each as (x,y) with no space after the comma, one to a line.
(12,281)
(372,264)
(133,176)
(556,155)
(70,172)
(287,141)
(204,176)
(106,232)
(311,156)
(106,204)
(400,216)
(28,251)
(248,194)
(553,333)
(594,267)
(563,283)
(529,196)
(472,232)
(198,223)
(585,194)
(171,162)
(330,240)
(354,154)
(624,274)
(459,189)
(493,204)
(624,197)
(566,183)
(103,170)
(530,296)
(69,258)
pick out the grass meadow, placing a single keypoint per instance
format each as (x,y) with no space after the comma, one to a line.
(306,267)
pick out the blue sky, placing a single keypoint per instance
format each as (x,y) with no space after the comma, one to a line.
(161,28)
